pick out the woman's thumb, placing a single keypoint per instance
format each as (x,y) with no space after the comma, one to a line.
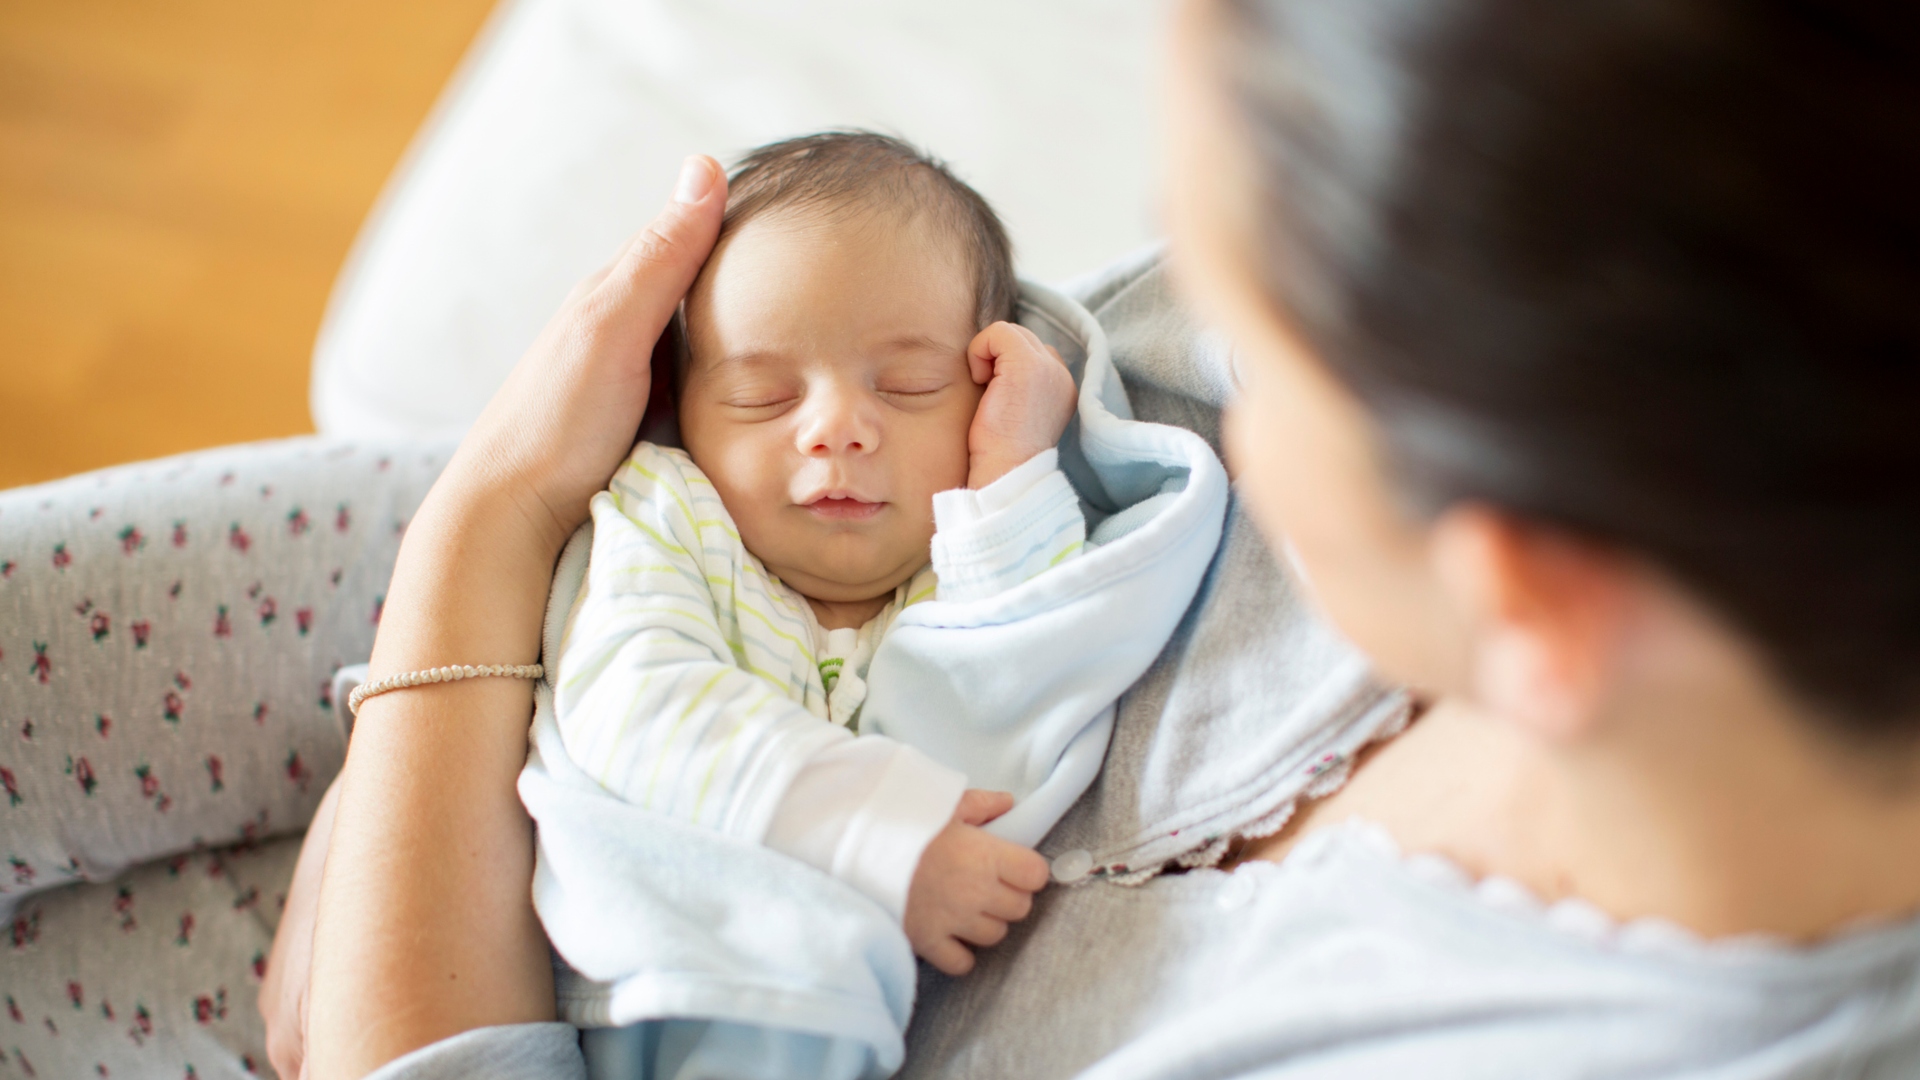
(657,266)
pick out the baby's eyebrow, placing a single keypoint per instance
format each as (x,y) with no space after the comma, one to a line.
(749,358)
(919,343)
(753,358)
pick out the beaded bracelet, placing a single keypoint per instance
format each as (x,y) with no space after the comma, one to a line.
(439,675)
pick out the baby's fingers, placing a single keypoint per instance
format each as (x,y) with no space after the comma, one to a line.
(1024,869)
(1008,904)
(986,348)
(977,807)
(996,341)
(949,956)
(982,930)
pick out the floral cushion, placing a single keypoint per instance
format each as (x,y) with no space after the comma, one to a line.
(169,632)
(153,975)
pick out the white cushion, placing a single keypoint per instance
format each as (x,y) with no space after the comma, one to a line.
(565,130)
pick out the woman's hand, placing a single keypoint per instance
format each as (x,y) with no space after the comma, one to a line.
(283,992)
(568,412)
(424,925)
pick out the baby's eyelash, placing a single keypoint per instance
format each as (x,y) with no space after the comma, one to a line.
(916,391)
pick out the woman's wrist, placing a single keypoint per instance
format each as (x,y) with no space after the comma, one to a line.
(497,488)
(470,584)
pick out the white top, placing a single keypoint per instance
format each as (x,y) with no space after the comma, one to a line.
(681,641)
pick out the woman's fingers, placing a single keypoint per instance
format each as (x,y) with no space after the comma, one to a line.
(586,285)
(568,411)
(658,264)
(283,992)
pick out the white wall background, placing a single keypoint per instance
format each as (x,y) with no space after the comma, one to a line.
(565,130)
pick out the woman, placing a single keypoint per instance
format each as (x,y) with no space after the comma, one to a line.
(1578,344)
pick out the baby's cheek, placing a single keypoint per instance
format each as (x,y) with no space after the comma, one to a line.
(748,486)
(917,528)
(956,447)
(944,474)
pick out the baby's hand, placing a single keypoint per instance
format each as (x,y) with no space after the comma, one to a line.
(970,884)
(1029,399)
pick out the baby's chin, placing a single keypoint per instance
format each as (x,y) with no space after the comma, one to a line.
(847,581)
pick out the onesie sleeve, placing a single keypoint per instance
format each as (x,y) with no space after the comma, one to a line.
(682,667)
(864,810)
(1007,533)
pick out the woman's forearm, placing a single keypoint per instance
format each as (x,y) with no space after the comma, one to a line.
(425,924)
(425,928)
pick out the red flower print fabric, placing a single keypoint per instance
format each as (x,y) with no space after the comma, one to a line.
(169,633)
(158,697)
(148,975)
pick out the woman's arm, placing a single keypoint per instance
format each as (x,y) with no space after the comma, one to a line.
(425,926)
(283,991)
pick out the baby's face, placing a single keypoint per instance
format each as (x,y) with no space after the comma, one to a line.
(827,394)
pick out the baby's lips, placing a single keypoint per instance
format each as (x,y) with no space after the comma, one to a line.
(844,508)
(837,491)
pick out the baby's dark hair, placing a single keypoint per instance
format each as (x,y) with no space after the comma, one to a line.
(851,169)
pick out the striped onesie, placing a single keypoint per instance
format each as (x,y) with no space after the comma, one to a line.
(694,684)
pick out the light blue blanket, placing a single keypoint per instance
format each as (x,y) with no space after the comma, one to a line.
(656,919)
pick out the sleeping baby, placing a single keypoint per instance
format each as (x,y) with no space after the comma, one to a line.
(743,667)
(837,396)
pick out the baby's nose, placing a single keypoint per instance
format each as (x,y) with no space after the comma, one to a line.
(820,449)
(839,426)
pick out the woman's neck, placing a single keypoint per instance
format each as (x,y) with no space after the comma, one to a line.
(1726,817)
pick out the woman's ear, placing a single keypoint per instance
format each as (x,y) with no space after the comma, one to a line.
(1544,612)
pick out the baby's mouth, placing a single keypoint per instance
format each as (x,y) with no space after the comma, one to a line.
(843,508)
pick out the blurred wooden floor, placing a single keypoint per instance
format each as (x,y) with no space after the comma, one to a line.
(179,182)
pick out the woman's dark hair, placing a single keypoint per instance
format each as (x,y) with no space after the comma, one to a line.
(1646,269)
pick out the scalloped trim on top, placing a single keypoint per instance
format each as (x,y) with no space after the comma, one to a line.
(1572,917)
(1325,775)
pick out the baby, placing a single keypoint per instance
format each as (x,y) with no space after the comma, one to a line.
(864,430)
(869,532)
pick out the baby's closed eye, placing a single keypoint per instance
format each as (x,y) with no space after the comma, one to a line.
(915,396)
(758,393)
(916,377)
(912,387)
(766,400)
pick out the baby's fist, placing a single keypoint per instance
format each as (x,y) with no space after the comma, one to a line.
(1029,399)
(969,885)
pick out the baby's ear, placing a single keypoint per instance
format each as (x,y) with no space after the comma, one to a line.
(661,423)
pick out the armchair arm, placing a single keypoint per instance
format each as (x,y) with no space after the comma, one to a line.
(168,635)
